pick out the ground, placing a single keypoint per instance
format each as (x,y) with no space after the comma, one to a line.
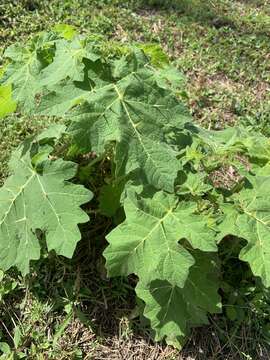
(67,309)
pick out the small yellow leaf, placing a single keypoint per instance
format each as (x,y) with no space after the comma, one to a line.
(7,104)
(66,31)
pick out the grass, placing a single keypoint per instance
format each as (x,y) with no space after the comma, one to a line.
(68,309)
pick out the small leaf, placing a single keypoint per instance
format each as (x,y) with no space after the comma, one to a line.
(109,199)
(231,312)
(7,104)
(157,56)
(194,184)
(5,348)
(17,337)
(66,31)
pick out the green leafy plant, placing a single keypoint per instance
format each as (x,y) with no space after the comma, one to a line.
(174,190)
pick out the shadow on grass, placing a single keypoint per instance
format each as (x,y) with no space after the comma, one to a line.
(216,14)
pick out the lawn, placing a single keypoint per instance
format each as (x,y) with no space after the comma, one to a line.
(68,308)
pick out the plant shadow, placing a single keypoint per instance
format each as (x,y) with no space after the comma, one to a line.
(210,13)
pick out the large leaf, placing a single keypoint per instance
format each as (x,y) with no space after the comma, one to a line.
(67,62)
(126,102)
(39,199)
(136,114)
(148,241)
(178,285)
(248,218)
(62,97)
(43,63)
(22,74)
(172,310)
